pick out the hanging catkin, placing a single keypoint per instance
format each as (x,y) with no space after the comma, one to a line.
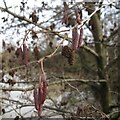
(80,37)
(20,55)
(65,13)
(25,54)
(75,38)
(40,94)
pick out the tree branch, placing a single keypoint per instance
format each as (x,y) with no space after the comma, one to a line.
(110,64)
(55,82)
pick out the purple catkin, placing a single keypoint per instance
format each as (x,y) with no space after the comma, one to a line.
(80,37)
(78,19)
(78,13)
(40,95)
(40,91)
(65,17)
(21,56)
(44,89)
(25,54)
(36,98)
(75,38)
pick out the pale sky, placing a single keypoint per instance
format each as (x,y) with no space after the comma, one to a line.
(31,3)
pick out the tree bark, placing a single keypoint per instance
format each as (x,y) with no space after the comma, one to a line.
(97,35)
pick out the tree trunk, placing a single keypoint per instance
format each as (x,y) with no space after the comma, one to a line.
(118,67)
(97,35)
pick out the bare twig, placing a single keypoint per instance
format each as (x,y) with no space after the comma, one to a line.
(5,4)
(53,83)
(50,55)
(101,113)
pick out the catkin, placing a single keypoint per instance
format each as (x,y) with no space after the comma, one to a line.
(75,38)
(25,54)
(20,55)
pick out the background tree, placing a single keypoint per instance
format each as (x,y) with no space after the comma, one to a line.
(76,45)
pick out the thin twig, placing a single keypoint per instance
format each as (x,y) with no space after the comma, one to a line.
(50,55)
(53,83)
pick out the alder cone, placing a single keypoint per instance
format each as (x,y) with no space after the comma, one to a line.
(66,51)
(71,59)
(69,54)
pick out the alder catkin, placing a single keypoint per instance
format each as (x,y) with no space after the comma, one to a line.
(78,13)
(80,37)
(65,18)
(75,38)
(20,55)
(25,54)
(36,98)
(40,94)
(44,88)
(65,14)
(40,91)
